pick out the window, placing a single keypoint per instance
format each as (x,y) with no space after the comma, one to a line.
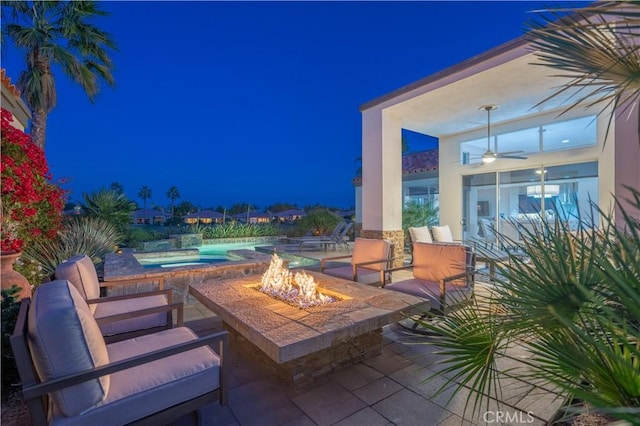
(522,197)
(568,134)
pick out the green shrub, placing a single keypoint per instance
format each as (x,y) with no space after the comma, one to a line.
(415,214)
(239,230)
(317,222)
(138,234)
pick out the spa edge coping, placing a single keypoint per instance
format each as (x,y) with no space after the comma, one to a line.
(125,266)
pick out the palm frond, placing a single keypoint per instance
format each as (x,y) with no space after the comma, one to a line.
(596,49)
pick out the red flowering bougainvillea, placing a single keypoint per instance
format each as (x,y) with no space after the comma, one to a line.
(31,205)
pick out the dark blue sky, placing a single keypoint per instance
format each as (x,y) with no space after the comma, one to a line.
(257,102)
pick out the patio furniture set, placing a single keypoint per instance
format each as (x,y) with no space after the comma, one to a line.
(83,358)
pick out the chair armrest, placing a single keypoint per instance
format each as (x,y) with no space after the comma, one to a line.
(159,279)
(147,311)
(383,271)
(458,276)
(399,268)
(34,391)
(168,292)
(323,261)
(371,262)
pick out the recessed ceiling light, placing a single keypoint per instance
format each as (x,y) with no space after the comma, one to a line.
(566,141)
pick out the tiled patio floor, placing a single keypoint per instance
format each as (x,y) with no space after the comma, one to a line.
(389,389)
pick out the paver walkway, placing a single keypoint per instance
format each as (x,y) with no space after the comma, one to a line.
(389,389)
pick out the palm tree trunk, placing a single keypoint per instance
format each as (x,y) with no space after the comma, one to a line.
(39,126)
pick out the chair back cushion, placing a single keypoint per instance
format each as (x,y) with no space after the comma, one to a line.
(442,234)
(420,234)
(370,249)
(80,271)
(64,338)
(434,262)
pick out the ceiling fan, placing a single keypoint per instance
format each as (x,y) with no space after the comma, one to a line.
(489,156)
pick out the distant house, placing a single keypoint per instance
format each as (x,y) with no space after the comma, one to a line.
(253,217)
(204,216)
(289,215)
(149,217)
(12,102)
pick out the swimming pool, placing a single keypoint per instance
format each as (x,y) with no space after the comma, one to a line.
(203,255)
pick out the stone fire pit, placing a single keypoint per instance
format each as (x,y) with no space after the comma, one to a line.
(301,344)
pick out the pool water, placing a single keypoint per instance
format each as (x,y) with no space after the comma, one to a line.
(210,253)
(222,249)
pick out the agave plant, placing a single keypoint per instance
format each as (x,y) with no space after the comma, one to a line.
(573,302)
(92,236)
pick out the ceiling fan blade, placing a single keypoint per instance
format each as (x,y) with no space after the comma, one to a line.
(510,153)
(517,157)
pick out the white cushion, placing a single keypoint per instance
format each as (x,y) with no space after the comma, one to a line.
(442,234)
(420,234)
(81,272)
(106,309)
(145,389)
(65,339)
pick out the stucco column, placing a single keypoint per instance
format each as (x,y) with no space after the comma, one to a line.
(627,159)
(382,178)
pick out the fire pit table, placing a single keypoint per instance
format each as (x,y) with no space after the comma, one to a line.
(299,345)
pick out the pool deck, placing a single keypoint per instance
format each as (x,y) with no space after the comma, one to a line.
(387,389)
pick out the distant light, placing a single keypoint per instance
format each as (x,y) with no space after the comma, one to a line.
(488,159)
(540,171)
(566,141)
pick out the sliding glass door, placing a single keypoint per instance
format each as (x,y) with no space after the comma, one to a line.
(510,201)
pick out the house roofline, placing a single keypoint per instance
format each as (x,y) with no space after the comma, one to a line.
(460,66)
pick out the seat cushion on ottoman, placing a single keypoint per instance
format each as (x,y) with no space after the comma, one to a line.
(65,339)
(106,309)
(146,389)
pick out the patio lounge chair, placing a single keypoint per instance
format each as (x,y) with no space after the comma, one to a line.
(70,376)
(337,240)
(442,273)
(130,315)
(369,259)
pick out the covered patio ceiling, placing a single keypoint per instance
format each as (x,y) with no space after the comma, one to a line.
(451,104)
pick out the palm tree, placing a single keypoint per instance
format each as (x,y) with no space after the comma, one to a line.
(62,33)
(145,194)
(596,47)
(117,187)
(173,194)
(111,206)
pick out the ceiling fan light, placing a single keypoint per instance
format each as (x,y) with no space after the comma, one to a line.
(488,159)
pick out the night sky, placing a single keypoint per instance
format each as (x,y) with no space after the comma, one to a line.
(253,102)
